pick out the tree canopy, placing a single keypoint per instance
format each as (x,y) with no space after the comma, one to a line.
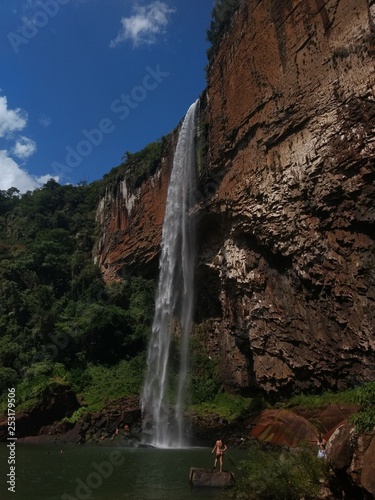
(220,18)
(52,307)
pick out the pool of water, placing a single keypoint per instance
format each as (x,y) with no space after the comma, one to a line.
(51,472)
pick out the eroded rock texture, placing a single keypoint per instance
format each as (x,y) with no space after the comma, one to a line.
(287,242)
(286,268)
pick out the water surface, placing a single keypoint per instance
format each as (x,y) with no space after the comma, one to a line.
(109,473)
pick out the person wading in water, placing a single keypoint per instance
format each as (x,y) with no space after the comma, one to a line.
(219,448)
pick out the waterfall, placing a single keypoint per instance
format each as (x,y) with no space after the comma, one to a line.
(174,299)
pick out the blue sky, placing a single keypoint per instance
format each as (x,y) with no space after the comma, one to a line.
(83,81)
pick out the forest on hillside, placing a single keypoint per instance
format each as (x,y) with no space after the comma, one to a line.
(59,321)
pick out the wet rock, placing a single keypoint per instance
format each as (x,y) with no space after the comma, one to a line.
(74,436)
(211,478)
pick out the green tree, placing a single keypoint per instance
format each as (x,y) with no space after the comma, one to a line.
(8,199)
(8,377)
(56,314)
(220,18)
(104,334)
(280,475)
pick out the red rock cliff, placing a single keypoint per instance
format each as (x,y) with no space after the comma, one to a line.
(130,221)
(286,268)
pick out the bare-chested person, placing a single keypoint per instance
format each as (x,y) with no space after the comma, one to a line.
(219,448)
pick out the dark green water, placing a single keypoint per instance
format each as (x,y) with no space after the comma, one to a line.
(108,473)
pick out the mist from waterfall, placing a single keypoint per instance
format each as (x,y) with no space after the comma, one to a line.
(175,297)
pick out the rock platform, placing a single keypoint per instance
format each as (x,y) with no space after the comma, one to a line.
(211,478)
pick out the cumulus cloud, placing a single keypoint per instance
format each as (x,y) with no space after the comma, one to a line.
(24,147)
(11,120)
(12,175)
(19,146)
(144,25)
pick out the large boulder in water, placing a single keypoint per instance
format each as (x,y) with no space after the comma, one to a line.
(211,478)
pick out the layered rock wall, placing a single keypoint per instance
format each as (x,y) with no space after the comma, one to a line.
(291,114)
(286,267)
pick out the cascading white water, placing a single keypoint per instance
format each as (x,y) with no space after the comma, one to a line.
(174,299)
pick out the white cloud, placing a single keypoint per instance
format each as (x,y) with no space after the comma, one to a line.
(144,26)
(24,147)
(12,175)
(11,120)
(45,121)
(45,178)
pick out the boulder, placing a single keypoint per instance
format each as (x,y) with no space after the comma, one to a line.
(340,447)
(211,478)
(368,470)
(283,427)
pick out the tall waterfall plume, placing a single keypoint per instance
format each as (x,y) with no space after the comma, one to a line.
(175,295)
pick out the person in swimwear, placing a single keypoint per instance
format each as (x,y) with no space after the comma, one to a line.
(322,447)
(219,448)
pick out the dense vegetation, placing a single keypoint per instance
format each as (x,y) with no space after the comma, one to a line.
(58,319)
(137,167)
(221,15)
(281,474)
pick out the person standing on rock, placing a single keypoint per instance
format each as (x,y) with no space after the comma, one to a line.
(219,448)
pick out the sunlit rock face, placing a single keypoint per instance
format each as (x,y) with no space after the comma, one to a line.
(287,241)
(286,268)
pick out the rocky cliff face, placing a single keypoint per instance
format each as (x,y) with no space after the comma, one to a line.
(130,222)
(286,268)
